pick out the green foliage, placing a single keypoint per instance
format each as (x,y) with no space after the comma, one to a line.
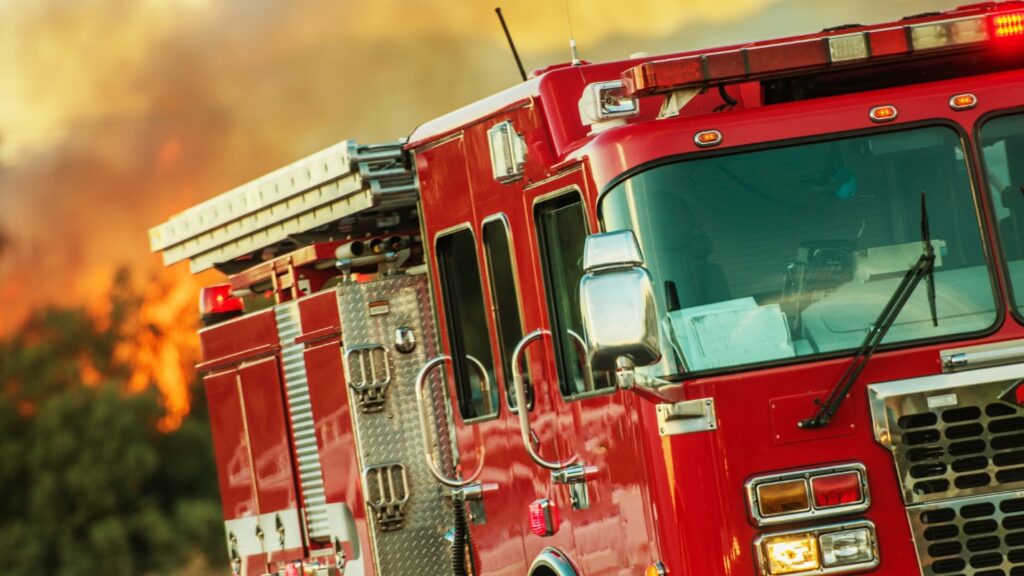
(89,486)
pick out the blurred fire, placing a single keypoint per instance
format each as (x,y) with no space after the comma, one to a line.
(158,343)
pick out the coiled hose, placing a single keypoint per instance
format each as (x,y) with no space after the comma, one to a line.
(460,540)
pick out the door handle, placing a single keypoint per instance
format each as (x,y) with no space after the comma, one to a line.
(428,436)
(524,412)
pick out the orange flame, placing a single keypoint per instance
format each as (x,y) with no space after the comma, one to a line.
(160,347)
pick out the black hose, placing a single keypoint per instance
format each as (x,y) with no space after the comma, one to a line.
(460,540)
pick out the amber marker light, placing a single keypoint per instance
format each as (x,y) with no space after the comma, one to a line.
(783,497)
(962,102)
(707,138)
(883,113)
(656,569)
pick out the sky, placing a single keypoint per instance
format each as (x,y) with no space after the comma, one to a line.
(116,114)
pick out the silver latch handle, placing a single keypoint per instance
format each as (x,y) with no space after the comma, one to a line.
(429,445)
(524,411)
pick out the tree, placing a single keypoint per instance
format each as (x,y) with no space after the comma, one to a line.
(90,486)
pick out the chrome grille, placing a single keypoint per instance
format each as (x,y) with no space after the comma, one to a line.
(950,435)
(963,448)
(307,455)
(979,536)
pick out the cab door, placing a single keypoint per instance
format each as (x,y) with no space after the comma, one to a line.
(600,475)
(463,245)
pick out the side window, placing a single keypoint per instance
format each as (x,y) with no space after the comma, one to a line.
(466,320)
(504,299)
(561,232)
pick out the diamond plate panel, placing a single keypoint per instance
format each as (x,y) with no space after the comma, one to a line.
(311,478)
(392,435)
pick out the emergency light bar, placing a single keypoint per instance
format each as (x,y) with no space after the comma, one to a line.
(788,57)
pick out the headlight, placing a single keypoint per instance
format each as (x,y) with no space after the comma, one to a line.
(836,549)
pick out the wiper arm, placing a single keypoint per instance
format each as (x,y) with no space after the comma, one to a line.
(923,269)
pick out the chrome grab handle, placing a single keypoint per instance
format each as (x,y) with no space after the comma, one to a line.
(524,412)
(428,436)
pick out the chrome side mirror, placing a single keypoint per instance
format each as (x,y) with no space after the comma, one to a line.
(617,298)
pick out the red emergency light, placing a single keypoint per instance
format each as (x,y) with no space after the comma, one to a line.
(217,299)
(1008,25)
(794,56)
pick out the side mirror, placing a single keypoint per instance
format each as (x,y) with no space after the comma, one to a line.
(617,300)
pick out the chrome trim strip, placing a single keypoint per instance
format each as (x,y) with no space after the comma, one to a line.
(982,356)
(553,560)
(751,489)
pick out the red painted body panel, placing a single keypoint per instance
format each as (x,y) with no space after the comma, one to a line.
(234,461)
(238,340)
(266,425)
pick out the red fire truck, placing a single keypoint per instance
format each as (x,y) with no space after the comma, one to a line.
(751,310)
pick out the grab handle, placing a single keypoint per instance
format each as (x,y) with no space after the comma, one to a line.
(429,445)
(524,412)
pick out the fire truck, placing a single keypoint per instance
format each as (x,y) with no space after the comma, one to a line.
(755,310)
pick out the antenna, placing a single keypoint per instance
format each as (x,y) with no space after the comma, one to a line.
(572,38)
(511,44)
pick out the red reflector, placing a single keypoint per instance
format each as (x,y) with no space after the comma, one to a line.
(836,490)
(217,299)
(1008,25)
(543,517)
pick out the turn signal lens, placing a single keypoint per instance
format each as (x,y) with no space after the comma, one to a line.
(783,498)
(791,554)
(836,490)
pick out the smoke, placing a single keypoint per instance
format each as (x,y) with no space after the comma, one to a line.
(115,114)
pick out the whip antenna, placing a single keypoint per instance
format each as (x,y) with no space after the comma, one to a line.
(511,44)
(572,38)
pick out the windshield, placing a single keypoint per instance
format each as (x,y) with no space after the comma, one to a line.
(1002,140)
(788,252)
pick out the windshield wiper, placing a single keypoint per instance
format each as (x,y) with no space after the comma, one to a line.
(923,269)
